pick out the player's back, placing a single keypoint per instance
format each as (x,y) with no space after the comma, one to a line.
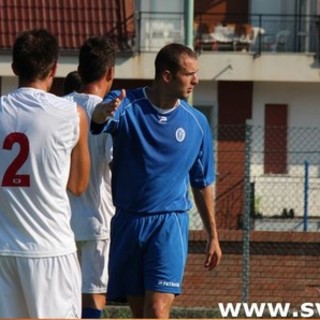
(92,211)
(38,131)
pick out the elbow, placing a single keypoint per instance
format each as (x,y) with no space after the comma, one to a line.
(78,189)
(76,193)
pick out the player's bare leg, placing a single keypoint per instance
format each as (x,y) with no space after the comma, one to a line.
(136,305)
(93,302)
(158,305)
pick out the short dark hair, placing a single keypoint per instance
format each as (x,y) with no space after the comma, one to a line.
(169,58)
(34,54)
(72,82)
(97,55)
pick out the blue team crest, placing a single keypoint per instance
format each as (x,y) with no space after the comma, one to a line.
(180,134)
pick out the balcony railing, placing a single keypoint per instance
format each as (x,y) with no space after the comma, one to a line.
(158,29)
(256,33)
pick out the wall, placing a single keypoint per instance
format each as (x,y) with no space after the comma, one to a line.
(162,6)
(283,6)
(8,84)
(277,192)
(243,66)
(284,267)
(213,66)
(269,7)
(302,99)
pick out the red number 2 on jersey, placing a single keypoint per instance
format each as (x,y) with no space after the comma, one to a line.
(10,177)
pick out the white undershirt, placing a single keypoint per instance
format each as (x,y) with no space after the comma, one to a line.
(164,111)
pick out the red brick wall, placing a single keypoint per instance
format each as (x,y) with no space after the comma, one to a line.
(284,267)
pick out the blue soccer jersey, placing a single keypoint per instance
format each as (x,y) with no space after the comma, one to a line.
(156,155)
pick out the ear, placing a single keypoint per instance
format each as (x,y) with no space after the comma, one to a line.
(110,74)
(166,75)
(79,70)
(14,69)
(53,70)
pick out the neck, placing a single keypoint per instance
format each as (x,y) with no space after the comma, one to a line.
(95,89)
(160,99)
(42,85)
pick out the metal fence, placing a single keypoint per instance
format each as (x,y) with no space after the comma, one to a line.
(258,32)
(293,195)
(268,180)
(255,33)
(270,174)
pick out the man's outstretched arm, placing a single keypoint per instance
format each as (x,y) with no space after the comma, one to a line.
(103,111)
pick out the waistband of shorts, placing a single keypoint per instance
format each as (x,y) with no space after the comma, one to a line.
(146,214)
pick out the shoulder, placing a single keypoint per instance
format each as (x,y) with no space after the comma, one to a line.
(83,97)
(86,101)
(193,112)
(134,100)
(57,99)
(61,106)
(131,95)
(196,118)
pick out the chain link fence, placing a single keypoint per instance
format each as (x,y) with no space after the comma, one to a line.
(271,175)
(268,183)
(283,165)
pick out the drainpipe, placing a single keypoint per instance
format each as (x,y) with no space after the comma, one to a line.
(137,21)
(188,24)
(189,11)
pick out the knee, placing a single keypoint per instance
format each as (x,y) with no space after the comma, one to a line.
(159,310)
(158,306)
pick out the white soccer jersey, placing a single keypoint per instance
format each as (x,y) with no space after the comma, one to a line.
(38,131)
(93,210)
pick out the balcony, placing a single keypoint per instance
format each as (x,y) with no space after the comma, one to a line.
(215,32)
(158,29)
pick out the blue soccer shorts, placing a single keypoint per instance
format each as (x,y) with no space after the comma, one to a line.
(147,252)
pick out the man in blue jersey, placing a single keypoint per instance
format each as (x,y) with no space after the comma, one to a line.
(161,146)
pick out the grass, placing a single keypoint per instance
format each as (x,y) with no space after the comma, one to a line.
(123,312)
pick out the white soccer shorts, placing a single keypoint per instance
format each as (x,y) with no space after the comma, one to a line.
(40,287)
(94,257)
